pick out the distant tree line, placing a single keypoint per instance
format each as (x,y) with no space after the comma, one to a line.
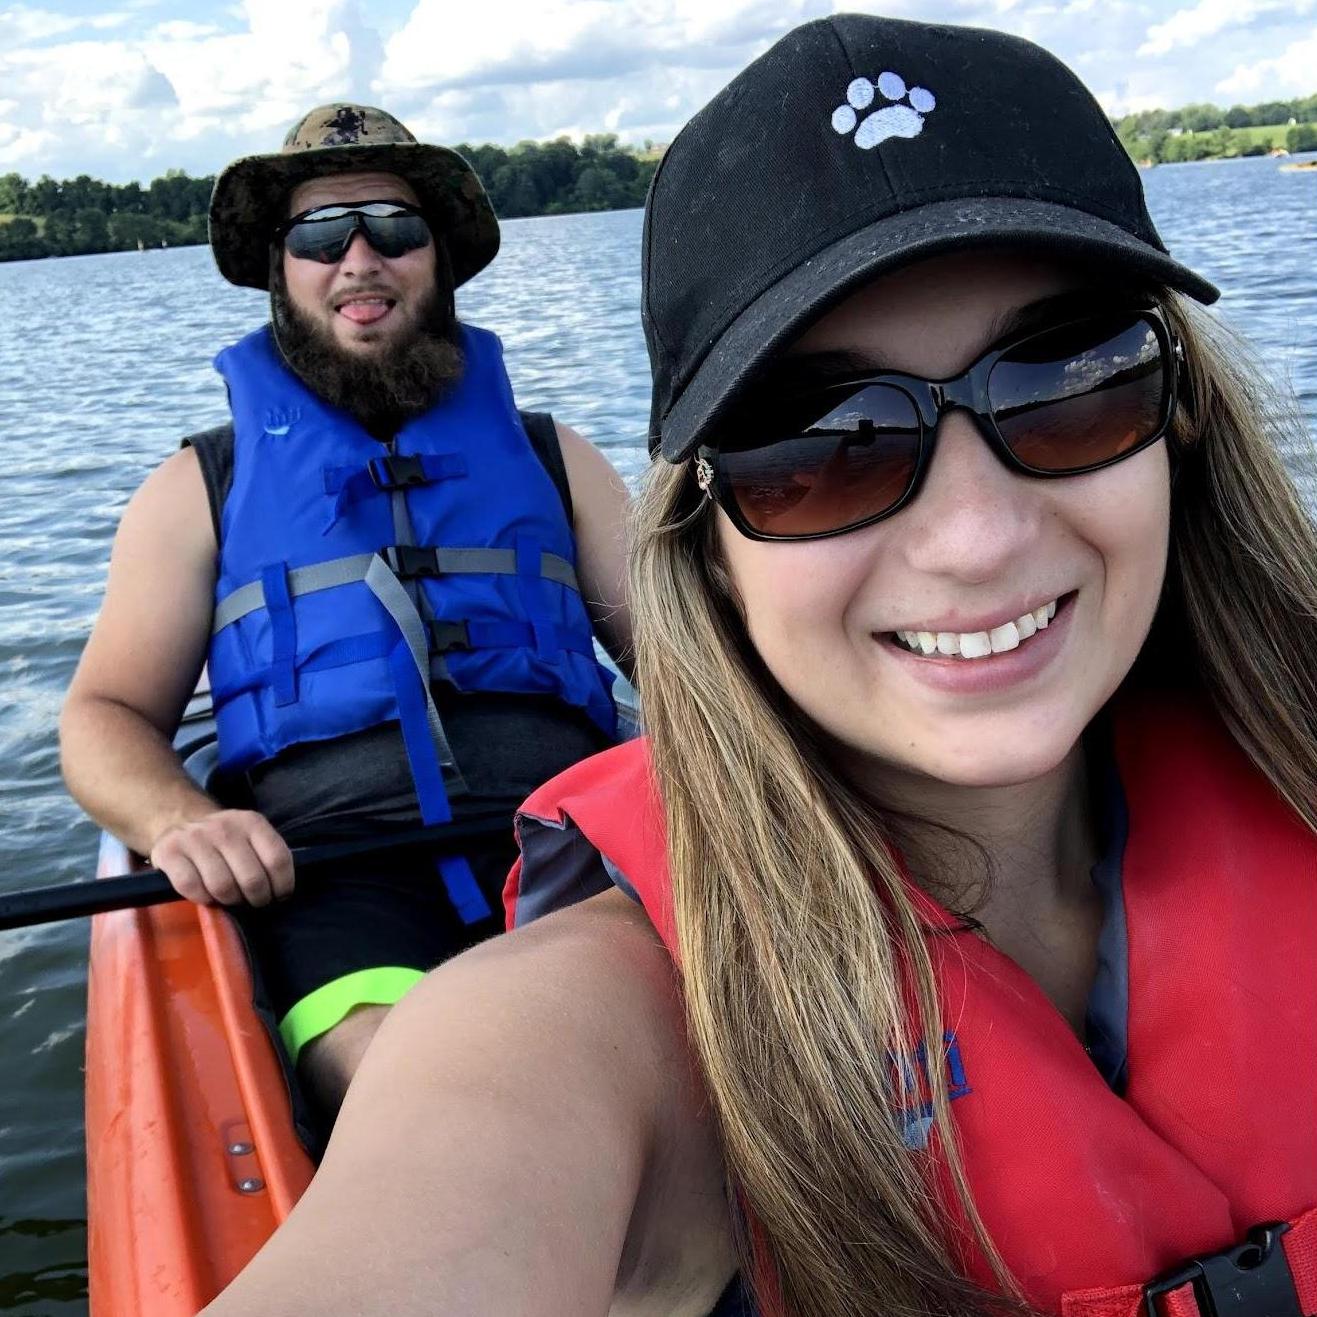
(1201,132)
(82,215)
(553,178)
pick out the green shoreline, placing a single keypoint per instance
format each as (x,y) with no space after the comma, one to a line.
(1204,133)
(166,244)
(84,216)
(1301,160)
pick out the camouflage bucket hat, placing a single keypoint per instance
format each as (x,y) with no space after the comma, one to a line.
(250,196)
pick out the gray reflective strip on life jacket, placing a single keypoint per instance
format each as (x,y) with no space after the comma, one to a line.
(346,571)
(404,533)
(620,880)
(402,520)
(386,587)
(559,867)
(503,562)
(301,580)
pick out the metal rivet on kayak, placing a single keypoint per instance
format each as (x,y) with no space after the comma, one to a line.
(240,1149)
(251,1186)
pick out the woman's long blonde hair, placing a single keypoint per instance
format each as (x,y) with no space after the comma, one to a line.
(800,948)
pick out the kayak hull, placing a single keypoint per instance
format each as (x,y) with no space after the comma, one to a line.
(192,1158)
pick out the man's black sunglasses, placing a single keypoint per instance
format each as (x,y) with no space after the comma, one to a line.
(1061,401)
(324,233)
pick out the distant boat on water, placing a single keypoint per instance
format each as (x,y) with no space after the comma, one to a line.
(1301,167)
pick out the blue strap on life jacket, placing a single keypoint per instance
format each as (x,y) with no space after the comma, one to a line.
(464,892)
(283,633)
(532,598)
(422,755)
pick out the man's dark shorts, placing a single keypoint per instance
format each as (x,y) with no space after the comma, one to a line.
(363,932)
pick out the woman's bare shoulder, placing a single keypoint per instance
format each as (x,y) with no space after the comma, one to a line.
(596,970)
(513,1115)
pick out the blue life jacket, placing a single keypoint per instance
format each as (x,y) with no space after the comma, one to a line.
(352,574)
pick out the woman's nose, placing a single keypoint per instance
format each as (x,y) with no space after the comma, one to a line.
(972,517)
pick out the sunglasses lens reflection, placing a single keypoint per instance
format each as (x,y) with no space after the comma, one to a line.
(855,460)
(326,239)
(1081,396)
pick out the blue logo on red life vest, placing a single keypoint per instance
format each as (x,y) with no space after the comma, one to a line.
(914,1088)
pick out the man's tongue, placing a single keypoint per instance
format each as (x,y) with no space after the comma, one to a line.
(364,313)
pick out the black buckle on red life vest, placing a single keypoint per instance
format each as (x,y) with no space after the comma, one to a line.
(397,472)
(411,560)
(1253,1279)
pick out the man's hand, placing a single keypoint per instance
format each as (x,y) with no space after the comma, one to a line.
(229,857)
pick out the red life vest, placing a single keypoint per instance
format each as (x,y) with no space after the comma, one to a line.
(1088,1195)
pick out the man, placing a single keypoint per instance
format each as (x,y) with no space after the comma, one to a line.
(391,573)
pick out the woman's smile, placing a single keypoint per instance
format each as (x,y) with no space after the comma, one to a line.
(949,639)
(982,662)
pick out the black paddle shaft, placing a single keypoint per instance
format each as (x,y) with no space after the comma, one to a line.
(46,905)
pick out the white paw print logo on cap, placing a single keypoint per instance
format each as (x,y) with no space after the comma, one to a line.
(902,115)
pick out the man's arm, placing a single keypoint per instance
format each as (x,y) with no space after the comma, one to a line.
(525,1135)
(137,671)
(600,502)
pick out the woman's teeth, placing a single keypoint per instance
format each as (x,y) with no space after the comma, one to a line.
(977,644)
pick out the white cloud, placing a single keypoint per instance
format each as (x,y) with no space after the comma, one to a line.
(180,83)
(1292,73)
(1188,27)
(181,29)
(1117,102)
(293,55)
(649,103)
(87,80)
(154,84)
(21,25)
(27,149)
(520,41)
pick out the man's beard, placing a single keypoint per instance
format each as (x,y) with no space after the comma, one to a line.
(383,389)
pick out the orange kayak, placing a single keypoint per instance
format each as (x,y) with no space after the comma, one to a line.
(192,1160)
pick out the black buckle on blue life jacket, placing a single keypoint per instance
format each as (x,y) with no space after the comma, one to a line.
(393,472)
(411,560)
(448,636)
(1253,1279)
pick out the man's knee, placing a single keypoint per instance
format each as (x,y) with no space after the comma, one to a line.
(327,1063)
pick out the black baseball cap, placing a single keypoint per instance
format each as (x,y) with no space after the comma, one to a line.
(854,145)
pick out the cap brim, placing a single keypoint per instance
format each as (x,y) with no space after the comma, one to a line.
(783,311)
(251,197)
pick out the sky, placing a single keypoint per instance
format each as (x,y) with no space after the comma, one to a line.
(127,90)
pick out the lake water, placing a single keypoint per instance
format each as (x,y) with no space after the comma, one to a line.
(104,364)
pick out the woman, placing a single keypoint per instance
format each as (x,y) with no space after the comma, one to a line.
(973,607)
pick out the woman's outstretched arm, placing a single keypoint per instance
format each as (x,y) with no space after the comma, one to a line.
(524,1136)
